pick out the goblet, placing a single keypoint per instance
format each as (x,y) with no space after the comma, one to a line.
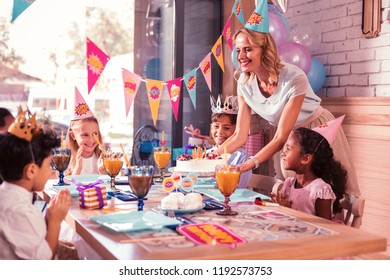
(140,180)
(60,160)
(113,165)
(162,156)
(227,177)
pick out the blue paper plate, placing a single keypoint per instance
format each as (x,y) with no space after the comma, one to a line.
(240,195)
(135,221)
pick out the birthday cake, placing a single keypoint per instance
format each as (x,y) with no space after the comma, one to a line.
(177,200)
(184,163)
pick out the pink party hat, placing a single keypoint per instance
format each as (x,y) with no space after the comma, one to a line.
(329,130)
(259,21)
(81,108)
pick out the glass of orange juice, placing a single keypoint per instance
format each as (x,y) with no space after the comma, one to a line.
(162,156)
(113,164)
(227,178)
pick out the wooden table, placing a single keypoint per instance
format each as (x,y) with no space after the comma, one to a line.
(346,242)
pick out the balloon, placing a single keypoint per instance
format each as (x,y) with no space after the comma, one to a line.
(234,58)
(278,29)
(282,4)
(304,34)
(296,54)
(316,75)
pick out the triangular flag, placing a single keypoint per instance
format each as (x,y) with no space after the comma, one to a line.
(19,7)
(131,84)
(237,10)
(154,88)
(259,20)
(227,33)
(190,82)
(205,67)
(96,61)
(218,53)
(174,88)
(81,108)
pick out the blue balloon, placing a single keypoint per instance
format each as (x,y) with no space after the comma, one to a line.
(316,75)
(234,58)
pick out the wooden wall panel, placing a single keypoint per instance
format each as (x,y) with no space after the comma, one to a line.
(367,126)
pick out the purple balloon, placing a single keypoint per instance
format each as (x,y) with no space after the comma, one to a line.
(296,54)
(278,29)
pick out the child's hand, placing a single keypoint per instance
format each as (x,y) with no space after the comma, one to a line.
(58,207)
(281,199)
(101,168)
(79,161)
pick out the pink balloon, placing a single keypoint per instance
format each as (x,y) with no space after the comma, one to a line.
(296,54)
(278,29)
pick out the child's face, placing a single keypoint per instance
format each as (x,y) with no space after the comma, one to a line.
(222,129)
(291,154)
(43,174)
(83,135)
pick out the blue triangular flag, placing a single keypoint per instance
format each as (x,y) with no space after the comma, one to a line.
(19,7)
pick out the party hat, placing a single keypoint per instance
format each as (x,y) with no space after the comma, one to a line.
(259,21)
(329,130)
(81,109)
(25,126)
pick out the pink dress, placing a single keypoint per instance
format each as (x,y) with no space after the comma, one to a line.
(304,199)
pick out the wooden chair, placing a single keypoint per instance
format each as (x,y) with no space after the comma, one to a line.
(263,184)
(353,208)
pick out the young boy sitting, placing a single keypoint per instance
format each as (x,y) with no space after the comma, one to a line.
(25,153)
(222,127)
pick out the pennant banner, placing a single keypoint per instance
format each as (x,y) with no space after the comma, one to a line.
(237,10)
(154,88)
(227,33)
(205,67)
(96,61)
(174,89)
(131,84)
(218,53)
(19,7)
(190,82)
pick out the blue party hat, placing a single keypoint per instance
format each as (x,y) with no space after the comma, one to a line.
(259,21)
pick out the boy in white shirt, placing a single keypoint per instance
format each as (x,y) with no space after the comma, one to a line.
(25,153)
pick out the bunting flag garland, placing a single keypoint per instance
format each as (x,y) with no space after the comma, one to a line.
(154,88)
(205,67)
(237,10)
(96,61)
(190,82)
(218,53)
(227,32)
(174,88)
(19,7)
(131,84)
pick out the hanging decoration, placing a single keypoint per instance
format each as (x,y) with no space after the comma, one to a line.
(190,82)
(205,67)
(227,32)
(19,7)
(154,89)
(174,90)
(218,53)
(237,10)
(96,62)
(131,84)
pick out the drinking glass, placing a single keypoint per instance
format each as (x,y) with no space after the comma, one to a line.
(227,177)
(60,161)
(162,156)
(140,180)
(113,166)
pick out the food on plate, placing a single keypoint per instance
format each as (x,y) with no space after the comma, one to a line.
(177,201)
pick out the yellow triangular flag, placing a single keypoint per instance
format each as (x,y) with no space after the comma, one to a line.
(154,88)
(218,53)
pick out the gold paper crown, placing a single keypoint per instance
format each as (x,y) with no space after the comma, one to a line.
(25,126)
(230,106)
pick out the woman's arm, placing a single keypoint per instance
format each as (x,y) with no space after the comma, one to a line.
(285,125)
(240,135)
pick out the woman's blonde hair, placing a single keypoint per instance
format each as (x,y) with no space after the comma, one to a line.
(270,59)
(72,143)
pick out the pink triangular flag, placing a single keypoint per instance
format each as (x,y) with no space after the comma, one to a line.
(81,108)
(154,88)
(174,89)
(218,53)
(96,61)
(330,129)
(227,32)
(205,67)
(131,84)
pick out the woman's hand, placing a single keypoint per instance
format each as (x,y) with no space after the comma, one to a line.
(248,165)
